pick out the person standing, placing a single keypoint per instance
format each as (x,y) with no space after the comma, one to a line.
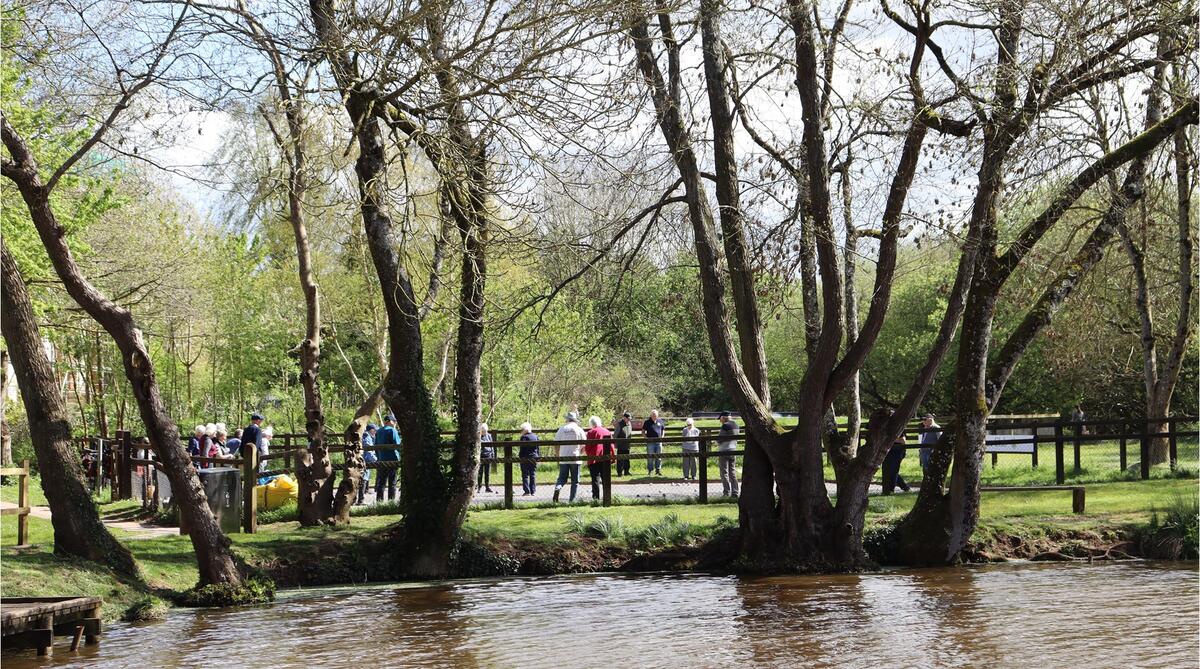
(389,459)
(930,434)
(264,447)
(196,445)
(623,433)
(570,431)
(487,454)
(891,467)
(727,462)
(689,461)
(233,447)
(529,455)
(654,428)
(600,451)
(368,445)
(252,434)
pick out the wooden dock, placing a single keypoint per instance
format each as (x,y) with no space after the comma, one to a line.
(33,622)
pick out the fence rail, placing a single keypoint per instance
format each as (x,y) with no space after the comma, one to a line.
(1061,436)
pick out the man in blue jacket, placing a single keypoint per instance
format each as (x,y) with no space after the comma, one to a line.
(386,478)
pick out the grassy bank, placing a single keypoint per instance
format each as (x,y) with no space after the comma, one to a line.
(573,538)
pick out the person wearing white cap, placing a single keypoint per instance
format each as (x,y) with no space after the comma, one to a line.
(570,431)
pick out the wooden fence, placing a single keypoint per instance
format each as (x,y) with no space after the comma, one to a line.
(21,511)
(1063,434)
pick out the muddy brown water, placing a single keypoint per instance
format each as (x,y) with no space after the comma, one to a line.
(1015,615)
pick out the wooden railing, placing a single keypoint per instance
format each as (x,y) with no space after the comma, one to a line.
(1061,433)
(21,511)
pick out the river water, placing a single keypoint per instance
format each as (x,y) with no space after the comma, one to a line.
(1014,615)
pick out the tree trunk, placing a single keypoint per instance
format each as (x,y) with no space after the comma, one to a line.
(347,491)
(214,557)
(77,527)
(6,457)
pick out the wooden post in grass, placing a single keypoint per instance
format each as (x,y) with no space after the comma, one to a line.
(704,468)
(1173,442)
(1124,450)
(606,488)
(1145,449)
(1077,499)
(125,465)
(249,478)
(1059,474)
(508,475)
(23,505)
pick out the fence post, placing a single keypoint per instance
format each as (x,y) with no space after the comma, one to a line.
(606,488)
(1124,449)
(1145,449)
(704,469)
(1059,473)
(1036,441)
(249,478)
(508,476)
(125,469)
(23,504)
(1078,443)
(1173,443)
(1078,499)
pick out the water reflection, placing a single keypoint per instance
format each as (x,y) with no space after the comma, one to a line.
(1007,616)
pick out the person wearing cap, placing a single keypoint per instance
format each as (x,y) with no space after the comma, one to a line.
(368,445)
(570,431)
(624,431)
(727,462)
(654,428)
(386,479)
(529,455)
(691,446)
(929,438)
(252,433)
(487,453)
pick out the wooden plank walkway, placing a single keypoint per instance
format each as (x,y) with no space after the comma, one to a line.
(33,622)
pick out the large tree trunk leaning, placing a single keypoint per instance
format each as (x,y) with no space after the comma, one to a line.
(77,527)
(213,555)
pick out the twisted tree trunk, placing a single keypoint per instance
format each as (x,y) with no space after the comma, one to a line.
(77,527)
(215,560)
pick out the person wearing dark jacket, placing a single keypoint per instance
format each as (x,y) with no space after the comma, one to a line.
(529,455)
(624,431)
(653,429)
(386,478)
(252,433)
(487,454)
(891,467)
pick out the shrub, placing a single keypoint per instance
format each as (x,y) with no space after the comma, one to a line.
(1174,533)
(146,608)
(251,591)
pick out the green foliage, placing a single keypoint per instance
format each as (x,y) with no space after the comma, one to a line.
(252,590)
(1175,530)
(145,609)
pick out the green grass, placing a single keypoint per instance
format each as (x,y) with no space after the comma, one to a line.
(168,563)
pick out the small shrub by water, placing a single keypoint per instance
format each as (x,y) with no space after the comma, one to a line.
(250,591)
(144,609)
(604,527)
(1174,532)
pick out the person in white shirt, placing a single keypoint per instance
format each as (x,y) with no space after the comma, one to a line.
(691,446)
(568,432)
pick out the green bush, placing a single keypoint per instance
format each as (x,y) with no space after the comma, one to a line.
(249,591)
(146,608)
(1174,532)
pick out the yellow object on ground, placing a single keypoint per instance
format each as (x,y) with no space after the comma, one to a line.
(278,492)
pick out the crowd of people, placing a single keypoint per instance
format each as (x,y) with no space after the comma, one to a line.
(213,440)
(605,451)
